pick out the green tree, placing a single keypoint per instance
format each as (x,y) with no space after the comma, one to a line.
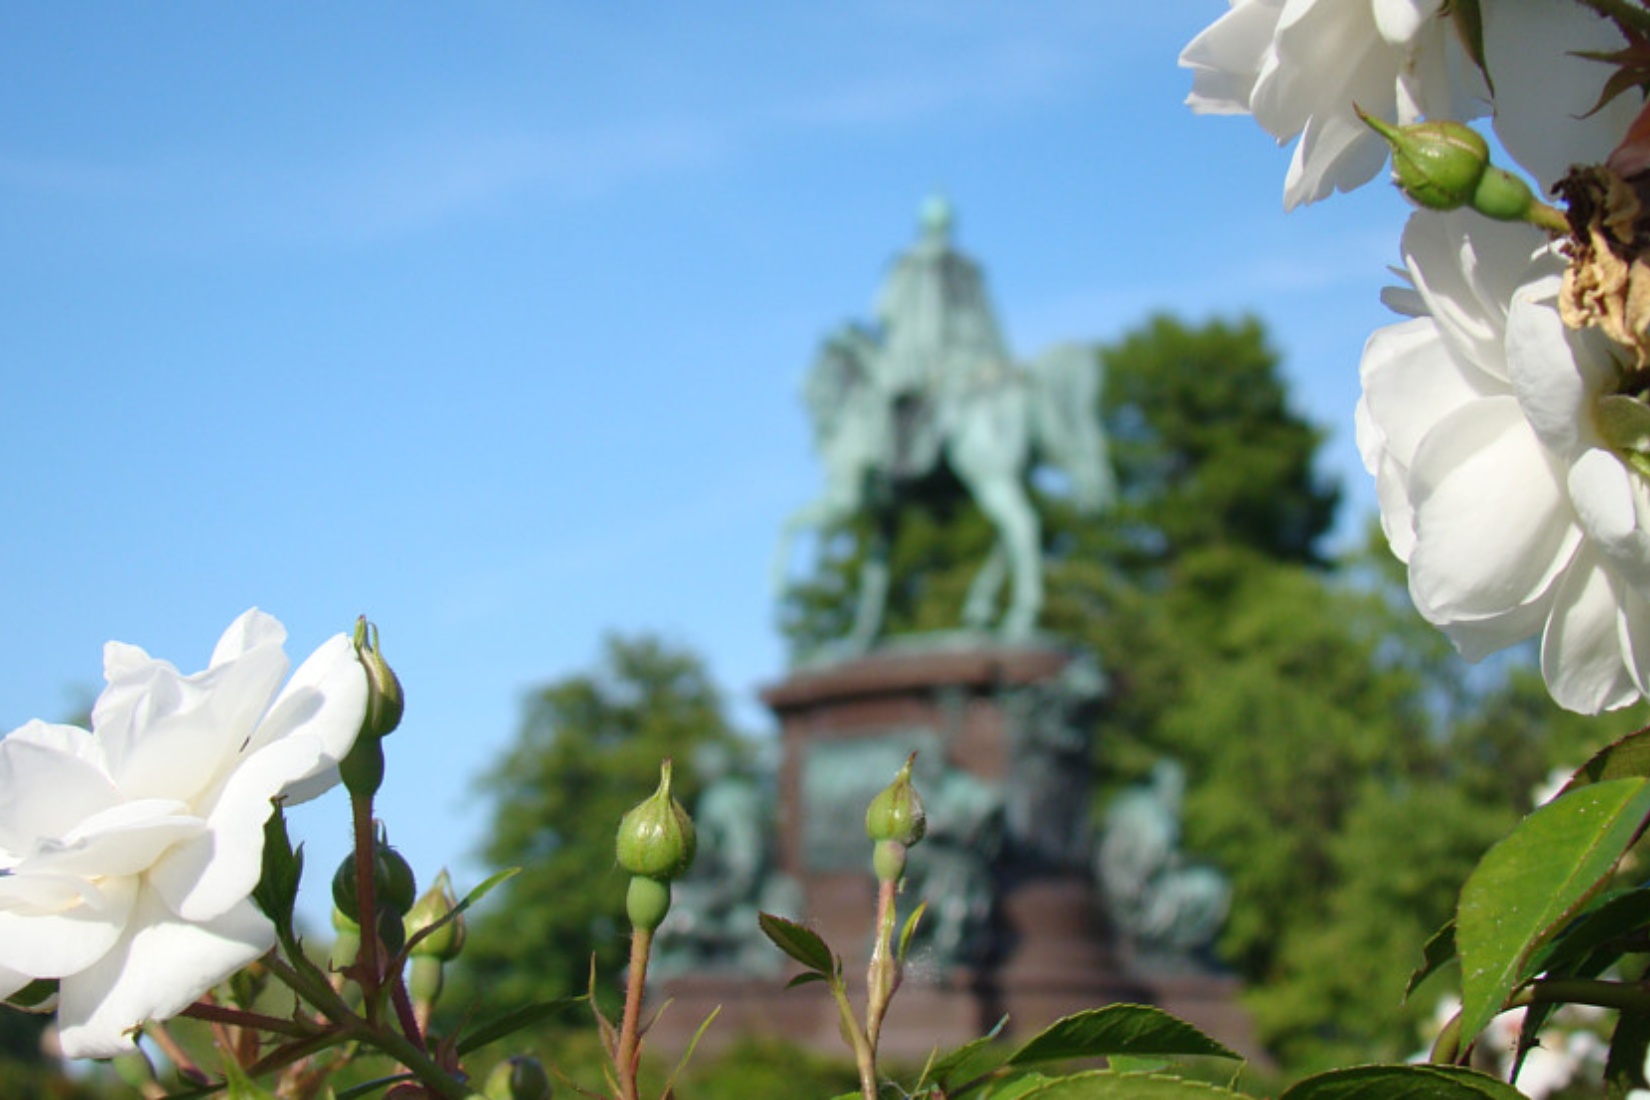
(1207,450)
(588,749)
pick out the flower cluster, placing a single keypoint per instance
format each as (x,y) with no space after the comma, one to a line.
(129,852)
(1506,419)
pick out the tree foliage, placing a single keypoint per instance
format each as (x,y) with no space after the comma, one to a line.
(588,749)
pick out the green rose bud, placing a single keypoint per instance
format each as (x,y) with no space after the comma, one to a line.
(385,701)
(393,884)
(888,860)
(647,902)
(1436,164)
(1503,196)
(656,837)
(446,941)
(896,813)
(518,1078)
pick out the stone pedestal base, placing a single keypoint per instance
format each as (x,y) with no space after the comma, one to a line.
(969,707)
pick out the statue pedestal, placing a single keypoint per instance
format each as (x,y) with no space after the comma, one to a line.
(1014,927)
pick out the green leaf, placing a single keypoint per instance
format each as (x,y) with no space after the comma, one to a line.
(1016,1086)
(1605,923)
(1628,757)
(1117,1029)
(968,1062)
(1534,880)
(1137,1063)
(805,978)
(1586,947)
(910,930)
(1107,1085)
(1402,1083)
(670,1083)
(512,1021)
(1437,954)
(800,943)
(498,878)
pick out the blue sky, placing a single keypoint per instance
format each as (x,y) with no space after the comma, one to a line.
(488,319)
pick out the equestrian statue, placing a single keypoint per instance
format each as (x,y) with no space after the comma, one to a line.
(932,382)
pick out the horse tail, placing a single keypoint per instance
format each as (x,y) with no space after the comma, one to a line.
(1066,386)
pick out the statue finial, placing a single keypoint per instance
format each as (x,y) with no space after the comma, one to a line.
(936,217)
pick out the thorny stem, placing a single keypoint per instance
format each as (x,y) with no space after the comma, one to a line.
(627,1058)
(404,1011)
(318,992)
(884,975)
(236,1017)
(864,1056)
(366,901)
(1627,996)
(1551,218)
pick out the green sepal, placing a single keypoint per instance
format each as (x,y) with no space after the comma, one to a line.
(282,867)
(910,930)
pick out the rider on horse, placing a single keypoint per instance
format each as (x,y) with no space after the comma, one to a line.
(940,339)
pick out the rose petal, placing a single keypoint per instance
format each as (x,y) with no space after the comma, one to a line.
(206,875)
(122,840)
(161,967)
(1581,657)
(1556,371)
(1466,269)
(1225,57)
(1492,519)
(1614,510)
(252,630)
(53,779)
(11,981)
(193,732)
(325,699)
(1411,382)
(47,944)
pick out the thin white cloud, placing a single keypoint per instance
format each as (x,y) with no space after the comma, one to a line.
(922,61)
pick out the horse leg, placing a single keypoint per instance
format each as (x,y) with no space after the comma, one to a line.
(841,499)
(981,606)
(988,452)
(1006,505)
(873,599)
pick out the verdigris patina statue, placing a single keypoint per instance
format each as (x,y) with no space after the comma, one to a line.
(1167,908)
(933,381)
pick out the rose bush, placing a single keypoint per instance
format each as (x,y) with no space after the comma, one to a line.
(128,852)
